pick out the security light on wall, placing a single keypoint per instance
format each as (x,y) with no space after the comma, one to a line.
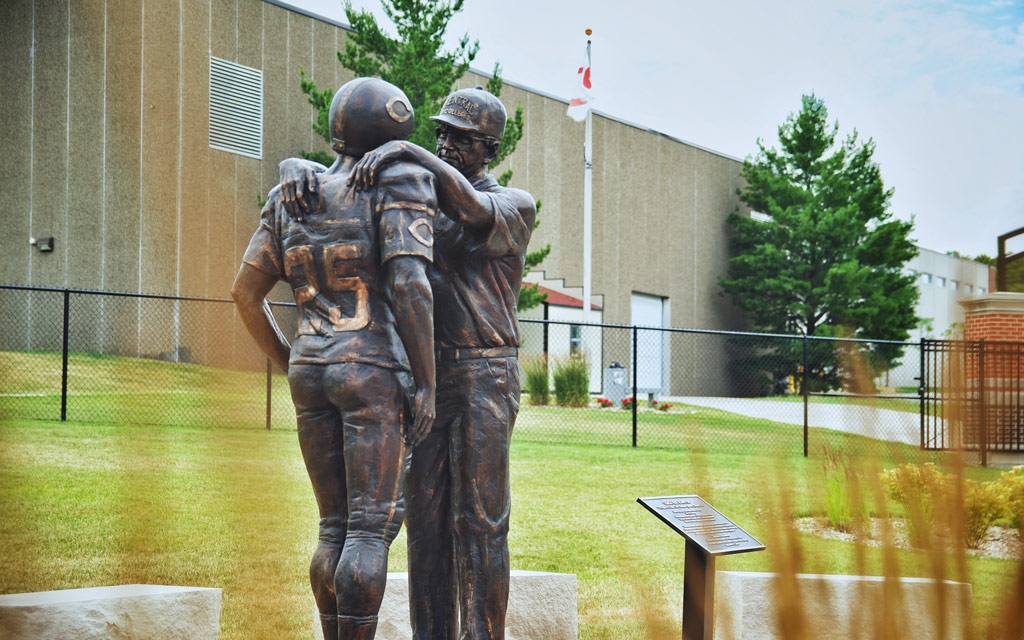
(43,244)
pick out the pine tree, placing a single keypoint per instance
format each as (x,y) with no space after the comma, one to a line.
(830,260)
(417,63)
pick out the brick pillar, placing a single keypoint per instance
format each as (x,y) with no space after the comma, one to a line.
(994,316)
(998,319)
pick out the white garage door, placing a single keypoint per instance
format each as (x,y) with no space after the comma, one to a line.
(649,311)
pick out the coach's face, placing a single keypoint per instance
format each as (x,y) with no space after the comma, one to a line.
(467,152)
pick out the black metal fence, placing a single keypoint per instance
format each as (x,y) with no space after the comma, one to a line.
(144,359)
(973,396)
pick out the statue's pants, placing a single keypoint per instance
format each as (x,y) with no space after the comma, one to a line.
(458,503)
(350,424)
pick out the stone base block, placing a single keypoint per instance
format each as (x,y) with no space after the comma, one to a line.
(841,607)
(123,612)
(541,606)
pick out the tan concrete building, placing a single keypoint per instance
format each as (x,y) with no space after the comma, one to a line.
(107,143)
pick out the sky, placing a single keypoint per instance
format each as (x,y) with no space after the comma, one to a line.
(938,85)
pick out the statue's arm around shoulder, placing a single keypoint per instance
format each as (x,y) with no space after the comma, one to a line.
(455,194)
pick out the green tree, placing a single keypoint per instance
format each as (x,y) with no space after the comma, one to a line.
(1014,271)
(416,62)
(829,262)
(1015,274)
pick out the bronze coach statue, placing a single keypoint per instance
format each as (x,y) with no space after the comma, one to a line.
(356,263)
(457,493)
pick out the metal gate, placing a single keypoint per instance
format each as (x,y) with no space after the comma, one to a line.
(972,395)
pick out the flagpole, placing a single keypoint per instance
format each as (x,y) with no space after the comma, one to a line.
(587,218)
(587,214)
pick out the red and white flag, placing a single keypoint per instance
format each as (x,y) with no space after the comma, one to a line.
(582,98)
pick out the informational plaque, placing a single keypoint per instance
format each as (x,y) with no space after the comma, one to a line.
(701,524)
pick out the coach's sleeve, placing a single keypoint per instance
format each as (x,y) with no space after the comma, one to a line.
(510,230)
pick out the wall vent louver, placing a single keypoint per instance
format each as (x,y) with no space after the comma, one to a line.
(236,108)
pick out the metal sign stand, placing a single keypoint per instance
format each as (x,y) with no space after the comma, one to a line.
(708,534)
(698,594)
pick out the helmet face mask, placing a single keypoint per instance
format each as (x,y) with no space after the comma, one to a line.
(366,113)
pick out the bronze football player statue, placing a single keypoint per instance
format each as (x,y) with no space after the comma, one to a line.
(457,497)
(356,262)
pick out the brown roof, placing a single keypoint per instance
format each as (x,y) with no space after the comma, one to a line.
(562,300)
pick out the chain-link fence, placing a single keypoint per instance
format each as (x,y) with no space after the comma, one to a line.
(721,391)
(139,359)
(143,359)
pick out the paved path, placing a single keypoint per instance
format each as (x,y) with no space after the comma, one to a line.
(883,424)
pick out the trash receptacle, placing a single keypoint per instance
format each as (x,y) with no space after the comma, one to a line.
(616,383)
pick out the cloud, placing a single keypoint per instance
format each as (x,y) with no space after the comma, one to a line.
(939,84)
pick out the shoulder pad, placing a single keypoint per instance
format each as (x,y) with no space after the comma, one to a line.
(403,170)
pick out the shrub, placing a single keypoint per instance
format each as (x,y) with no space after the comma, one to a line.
(917,488)
(604,403)
(572,381)
(1013,486)
(627,404)
(909,482)
(843,504)
(984,503)
(535,379)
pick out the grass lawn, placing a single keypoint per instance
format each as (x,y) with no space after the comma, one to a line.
(88,504)
(115,389)
(199,494)
(105,389)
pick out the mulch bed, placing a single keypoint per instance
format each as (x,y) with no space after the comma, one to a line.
(1000,542)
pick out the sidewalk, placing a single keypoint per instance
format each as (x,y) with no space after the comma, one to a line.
(873,422)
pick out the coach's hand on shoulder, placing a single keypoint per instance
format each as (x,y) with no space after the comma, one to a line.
(364,174)
(299,187)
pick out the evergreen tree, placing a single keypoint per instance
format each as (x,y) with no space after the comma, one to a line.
(829,262)
(417,63)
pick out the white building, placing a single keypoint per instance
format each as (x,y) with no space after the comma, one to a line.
(943,281)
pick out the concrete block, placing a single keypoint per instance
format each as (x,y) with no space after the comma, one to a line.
(123,612)
(841,607)
(541,606)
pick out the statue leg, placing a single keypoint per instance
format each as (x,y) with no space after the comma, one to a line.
(482,499)
(357,627)
(428,523)
(321,442)
(374,411)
